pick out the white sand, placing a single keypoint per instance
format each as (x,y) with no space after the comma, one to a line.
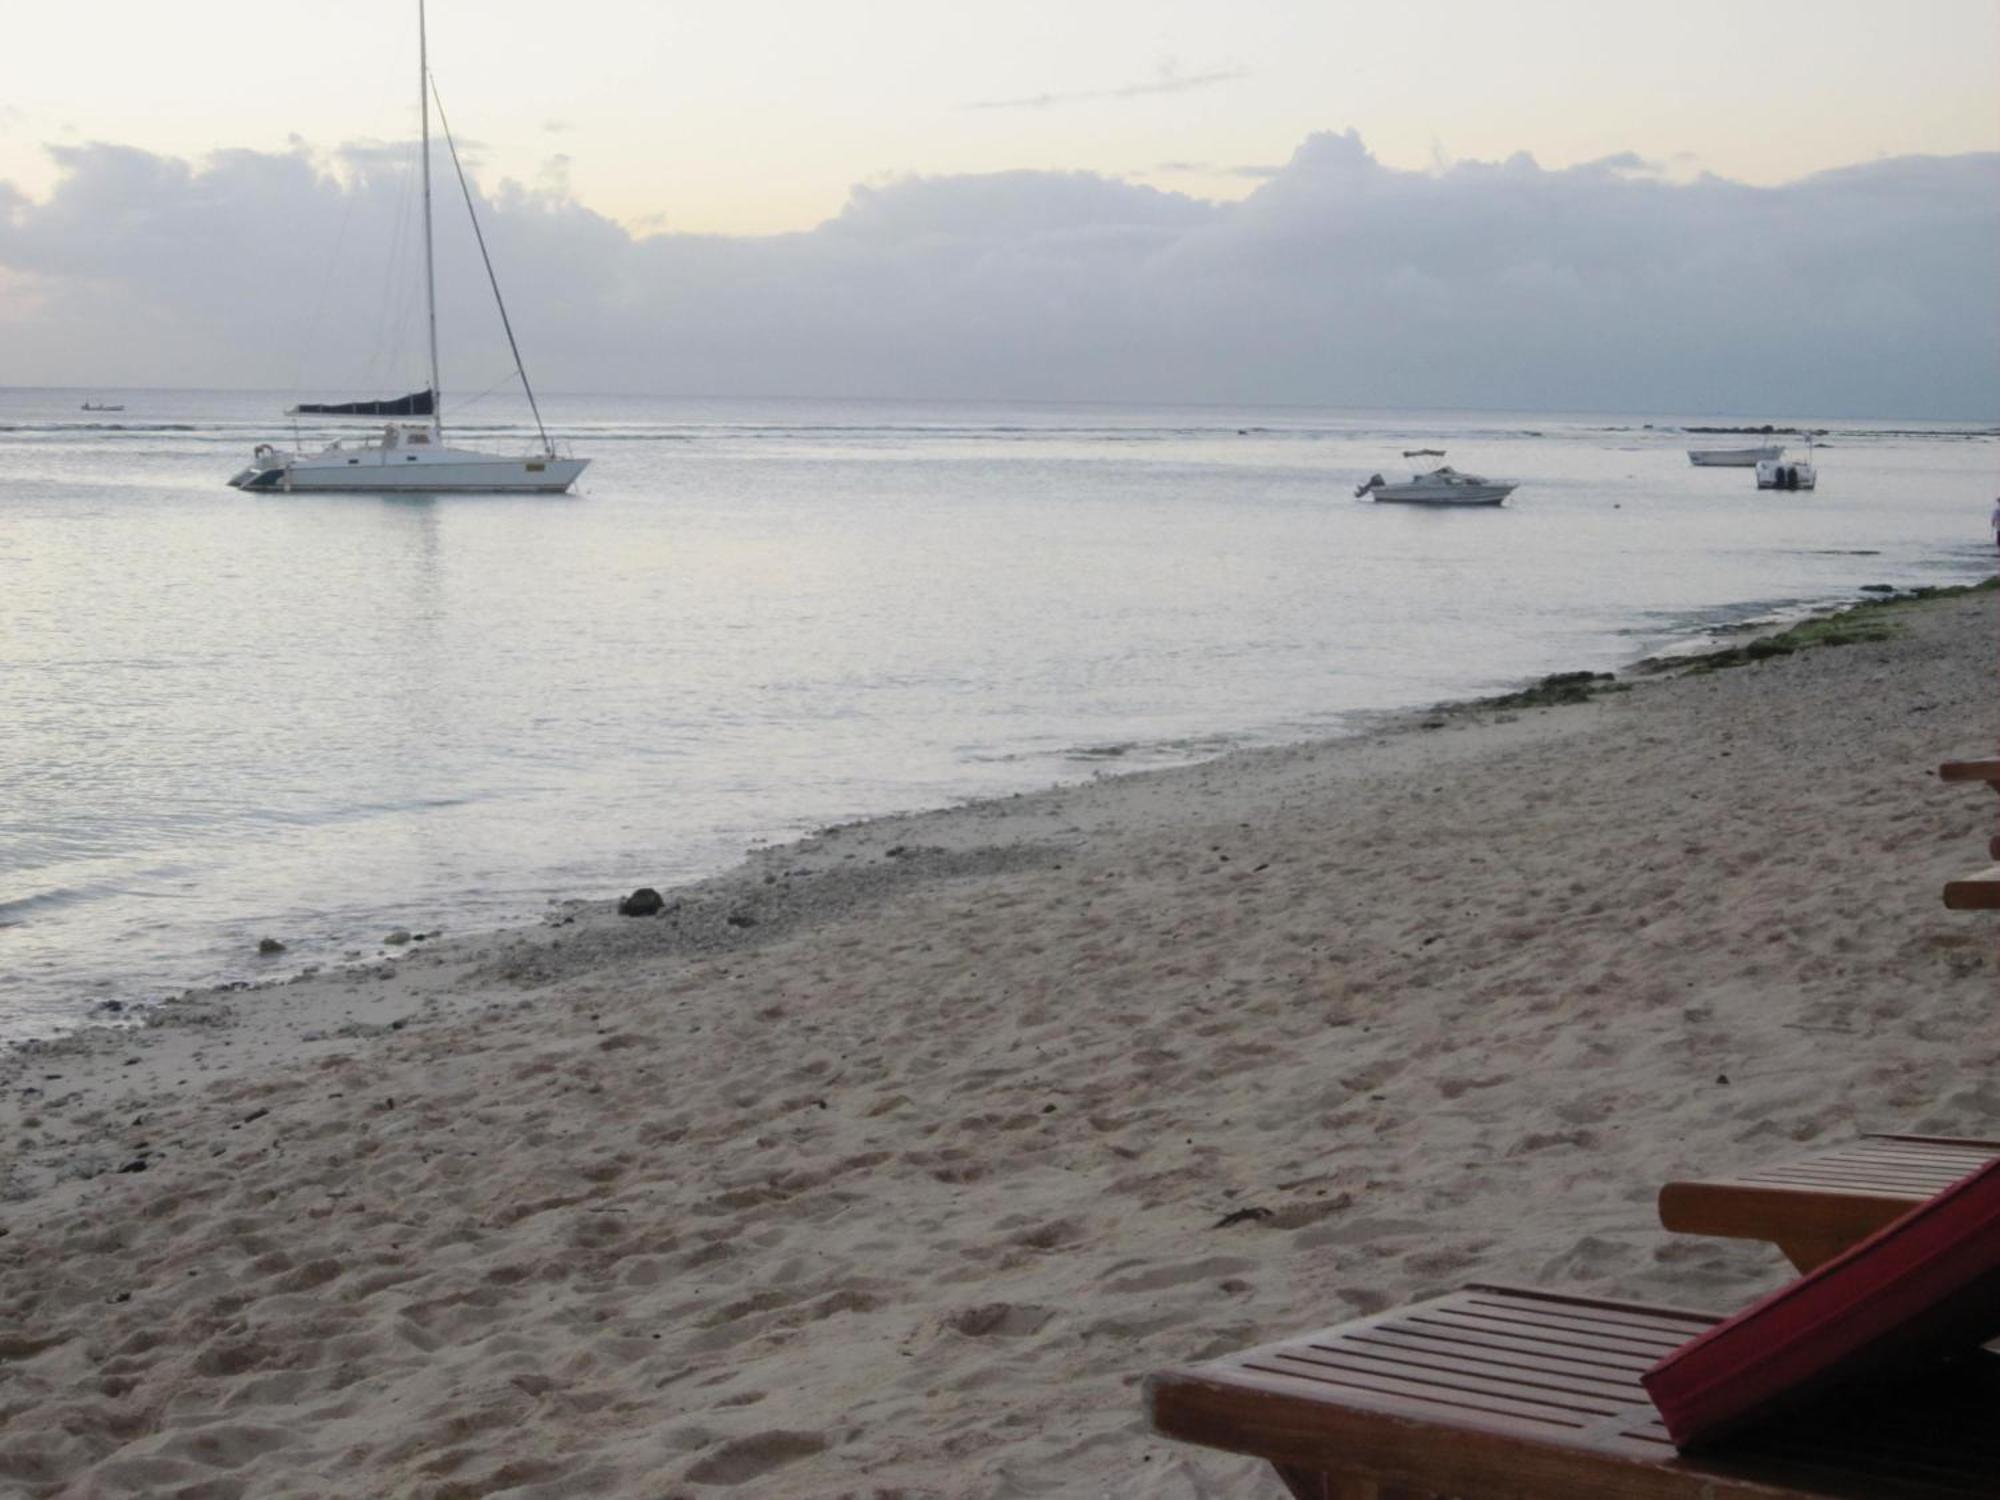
(901,1190)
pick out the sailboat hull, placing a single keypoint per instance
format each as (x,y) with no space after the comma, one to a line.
(431,475)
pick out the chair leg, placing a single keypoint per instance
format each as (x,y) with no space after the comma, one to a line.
(1805,1253)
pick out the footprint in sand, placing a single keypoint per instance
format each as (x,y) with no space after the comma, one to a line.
(746,1458)
(998,1320)
(1214,1268)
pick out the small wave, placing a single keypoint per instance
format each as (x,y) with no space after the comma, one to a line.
(1162,754)
(61,427)
(16,911)
(1175,750)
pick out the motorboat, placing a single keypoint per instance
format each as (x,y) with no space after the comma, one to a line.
(100,406)
(1777,474)
(1441,486)
(1735,458)
(412,456)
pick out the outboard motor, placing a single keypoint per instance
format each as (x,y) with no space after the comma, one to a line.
(1374,483)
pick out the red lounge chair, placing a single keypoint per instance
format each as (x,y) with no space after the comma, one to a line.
(1920,1292)
(1494,1393)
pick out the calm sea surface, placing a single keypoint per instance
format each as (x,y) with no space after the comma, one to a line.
(226,716)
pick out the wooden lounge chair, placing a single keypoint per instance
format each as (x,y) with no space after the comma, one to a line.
(1495,1393)
(1980,892)
(1815,1207)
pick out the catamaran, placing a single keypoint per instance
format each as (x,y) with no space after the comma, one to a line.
(413,455)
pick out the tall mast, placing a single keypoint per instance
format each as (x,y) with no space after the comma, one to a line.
(430,271)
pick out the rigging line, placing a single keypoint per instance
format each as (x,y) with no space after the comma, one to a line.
(393,316)
(477,233)
(303,345)
(351,193)
(389,184)
(473,400)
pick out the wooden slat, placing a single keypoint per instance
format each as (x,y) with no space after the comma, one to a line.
(1373,1406)
(1556,1388)
(1919,1143)
(1931,1155)
(1440,1325)
(1457,1398)
(1891,1154)
(1420,1345)
(1891,1169)
(1585,1333)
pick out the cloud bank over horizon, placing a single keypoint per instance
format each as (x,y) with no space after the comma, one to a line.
(1863,291)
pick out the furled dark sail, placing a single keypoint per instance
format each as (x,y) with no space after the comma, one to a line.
(416,404)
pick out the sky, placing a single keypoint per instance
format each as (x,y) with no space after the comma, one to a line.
(1260,201)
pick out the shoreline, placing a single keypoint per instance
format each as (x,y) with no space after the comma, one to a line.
(900,1180)
(121,1016)
(723,912)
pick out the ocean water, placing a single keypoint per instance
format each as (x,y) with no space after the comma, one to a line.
(228,716)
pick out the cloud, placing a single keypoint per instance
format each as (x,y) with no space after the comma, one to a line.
(1862,291)
(1626,161)
(369,155)
(1169,82)
(1255,171)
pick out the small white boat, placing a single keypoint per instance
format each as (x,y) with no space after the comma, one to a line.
(1777,474)
(1735,458)
(412,457)
(98,406)
(1442,486)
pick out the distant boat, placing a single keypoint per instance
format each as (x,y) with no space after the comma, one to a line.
(1442,486)
(412,456)
(1773,474)
(1423,453)
(1776,474)
(100,406)
(1735,458)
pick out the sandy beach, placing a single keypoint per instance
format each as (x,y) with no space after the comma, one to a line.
(888,1164)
